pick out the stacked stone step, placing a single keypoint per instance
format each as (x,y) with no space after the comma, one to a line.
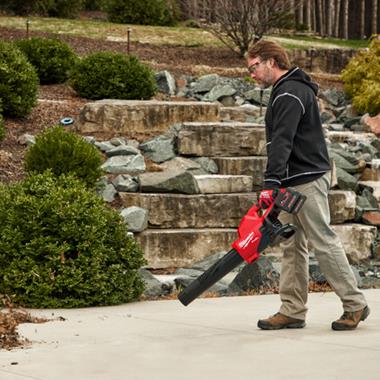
(185,228)
(202,219)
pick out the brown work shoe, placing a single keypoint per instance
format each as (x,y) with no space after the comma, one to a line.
(280,321)
(350,319)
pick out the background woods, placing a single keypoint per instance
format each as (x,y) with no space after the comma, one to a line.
(329,18)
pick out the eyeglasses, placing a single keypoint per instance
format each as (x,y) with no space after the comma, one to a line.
(252,68)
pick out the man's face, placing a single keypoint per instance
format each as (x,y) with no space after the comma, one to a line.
(261,71)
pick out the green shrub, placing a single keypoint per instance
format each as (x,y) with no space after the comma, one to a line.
(93,5)
(65,8)
(112,76)
(30,7)
(64,152)
(361,79)
(61,246)
(18,81)
(148,12)
(51,58)
(53,8)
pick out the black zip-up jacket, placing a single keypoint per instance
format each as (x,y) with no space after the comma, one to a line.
(296,147)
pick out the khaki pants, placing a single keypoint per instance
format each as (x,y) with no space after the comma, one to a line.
(313,225)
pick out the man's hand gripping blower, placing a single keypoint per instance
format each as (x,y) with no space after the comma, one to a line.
(258,229)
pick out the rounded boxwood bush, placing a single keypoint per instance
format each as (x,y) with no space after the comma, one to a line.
(148,12)
(51,58)
(61,246)
(62,152)
(112,76)
(18,81)
(361,79)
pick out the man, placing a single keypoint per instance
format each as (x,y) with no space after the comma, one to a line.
(297,157)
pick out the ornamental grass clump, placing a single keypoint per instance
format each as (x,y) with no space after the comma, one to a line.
(107,75)
(51,58)
(64,152)
(62,246)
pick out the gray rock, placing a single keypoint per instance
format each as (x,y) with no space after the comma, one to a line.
(219,91)
(344,164)
(168,182)
(351,122)
(136,218)
(118,141)
(333,97)
(125,164)
(104,146)
(159,149)
(336,127)
(258,275)
(165,82)
(207,164)
(125,183)
(109,193)
(255,96)
(205,83)
(122,150)
(181,164)
(153,287)
(133,143)
(27,139)
(327,117)
(345,180)
(90,139)
(227,101)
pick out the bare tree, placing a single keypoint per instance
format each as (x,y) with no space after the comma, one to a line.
(240,23)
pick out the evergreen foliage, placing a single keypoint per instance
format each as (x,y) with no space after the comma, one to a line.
(107,75)
(148,12)
(64,152)
(61,246)
(51,58)
(18,81)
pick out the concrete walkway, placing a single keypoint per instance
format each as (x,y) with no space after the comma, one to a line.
(210,339)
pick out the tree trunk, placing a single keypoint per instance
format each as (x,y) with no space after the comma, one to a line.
(329,17)
(374,17)
(320,18)
(362,18)
(337,18)
(345,19)
(308,14)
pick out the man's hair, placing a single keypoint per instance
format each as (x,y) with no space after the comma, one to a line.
(268,49)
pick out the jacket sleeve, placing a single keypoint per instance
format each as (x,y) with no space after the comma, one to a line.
(287,111)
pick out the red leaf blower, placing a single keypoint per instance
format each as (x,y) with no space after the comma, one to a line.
(257,230)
